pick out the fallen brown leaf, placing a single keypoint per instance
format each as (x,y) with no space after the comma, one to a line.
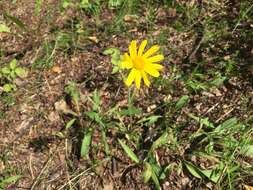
(247,187)
(93,39)
(56,69)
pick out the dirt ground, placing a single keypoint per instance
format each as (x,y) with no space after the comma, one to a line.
(33,141)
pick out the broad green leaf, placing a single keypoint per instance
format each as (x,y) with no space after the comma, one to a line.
(13,74)
(115,70)
(147,173)
(70,123)
(111,51)
(212,175)
(115,58)
(85,148)
(20,72)
(4,28)
(163,139)
(181,102)
(5,70)
(9,87)
(193,169)
(129,152)
(13,64)
(218,81)
(230,123)
(85,4)
(155,178)
(130,111)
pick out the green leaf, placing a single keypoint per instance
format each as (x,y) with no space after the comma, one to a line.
(111,51)
(147,173)
(11,179)
(150,120)
(166,171)
(70,123)
(104,139)
(181,102)
(130,111)
(92,115)
(9,87)
(85,4)
(66,3)
(155,178)
(202,121)
(212,175)
(38,5)
(13,64)
(18,22)
(247,150)
(129,152)
(5,70)
(20,72)
(73,91)
(115,3)
(96,101)
(13,74)
(85,148)
(218,81)
(115,70)
(115,58)
(193,169)
(4,28)
(163,139)
(228,124)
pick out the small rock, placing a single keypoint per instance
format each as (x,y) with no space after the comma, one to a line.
(150,108)
(108,186)
(130,18)
(185,181)
(54,117)
(62,107)
(56,69)
(216,91)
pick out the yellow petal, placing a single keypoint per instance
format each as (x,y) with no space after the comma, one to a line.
(126,62)
(157,66)
(142,47)
(126,57)
(155,58)
(138,79)
(150,70)
(145,78)
(133,49)
(126,65)
(151,51)
(131,77)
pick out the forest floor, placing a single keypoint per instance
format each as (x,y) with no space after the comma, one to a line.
(66,114)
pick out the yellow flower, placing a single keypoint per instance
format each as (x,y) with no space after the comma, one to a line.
(141,64)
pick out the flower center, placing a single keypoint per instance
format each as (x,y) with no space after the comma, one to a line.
(138,63)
